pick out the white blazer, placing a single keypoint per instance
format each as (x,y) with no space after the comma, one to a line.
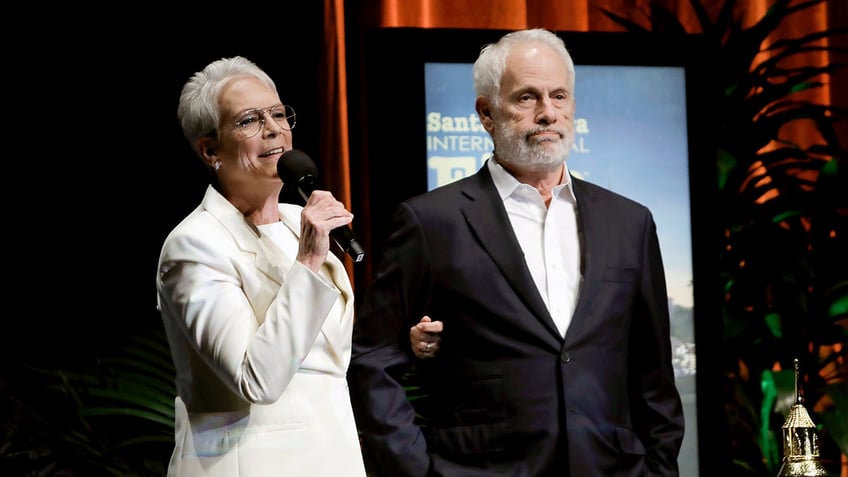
(261,346)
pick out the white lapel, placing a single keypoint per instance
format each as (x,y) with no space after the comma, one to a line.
(268,258)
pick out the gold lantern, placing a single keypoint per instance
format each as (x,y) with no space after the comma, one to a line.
(800,442)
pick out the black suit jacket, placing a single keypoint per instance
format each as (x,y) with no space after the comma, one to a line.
(507,395)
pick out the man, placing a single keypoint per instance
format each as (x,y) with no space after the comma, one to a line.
(555,354)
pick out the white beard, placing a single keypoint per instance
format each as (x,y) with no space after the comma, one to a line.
(537,155)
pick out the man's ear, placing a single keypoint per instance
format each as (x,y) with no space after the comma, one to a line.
(484,112)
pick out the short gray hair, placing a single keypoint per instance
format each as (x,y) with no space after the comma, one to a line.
(491,64)
(198,108)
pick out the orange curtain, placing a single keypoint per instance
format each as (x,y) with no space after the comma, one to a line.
(335,150)
(587,15)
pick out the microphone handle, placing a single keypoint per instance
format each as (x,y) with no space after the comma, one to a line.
(344,238)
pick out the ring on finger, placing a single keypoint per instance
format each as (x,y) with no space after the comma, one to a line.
(429,347)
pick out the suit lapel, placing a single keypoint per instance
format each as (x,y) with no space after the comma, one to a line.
(268,258)
(590,243)
(483,204)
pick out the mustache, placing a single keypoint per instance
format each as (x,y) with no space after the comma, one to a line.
(531,132)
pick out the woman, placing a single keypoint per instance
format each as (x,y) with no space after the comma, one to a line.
(258,314)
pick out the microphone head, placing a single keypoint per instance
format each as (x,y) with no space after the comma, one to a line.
(294,166)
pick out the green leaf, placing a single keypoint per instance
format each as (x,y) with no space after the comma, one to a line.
(766,439)
(839,307)
(774,324)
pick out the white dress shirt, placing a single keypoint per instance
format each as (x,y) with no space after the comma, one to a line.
(548,237)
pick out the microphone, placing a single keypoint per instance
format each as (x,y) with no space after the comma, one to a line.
(296,169)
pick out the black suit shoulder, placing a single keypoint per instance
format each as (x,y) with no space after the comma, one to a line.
(590,192)
(449,198)
(449,191)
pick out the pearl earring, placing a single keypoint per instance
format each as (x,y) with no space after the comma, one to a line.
(217,165)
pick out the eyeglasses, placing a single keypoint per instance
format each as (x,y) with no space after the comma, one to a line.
(250,122)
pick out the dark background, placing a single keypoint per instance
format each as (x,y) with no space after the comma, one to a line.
(97,169)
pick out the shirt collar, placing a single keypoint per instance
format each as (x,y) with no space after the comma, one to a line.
(506,183)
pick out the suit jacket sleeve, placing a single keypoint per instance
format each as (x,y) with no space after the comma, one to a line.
(381,354)
(660,410)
